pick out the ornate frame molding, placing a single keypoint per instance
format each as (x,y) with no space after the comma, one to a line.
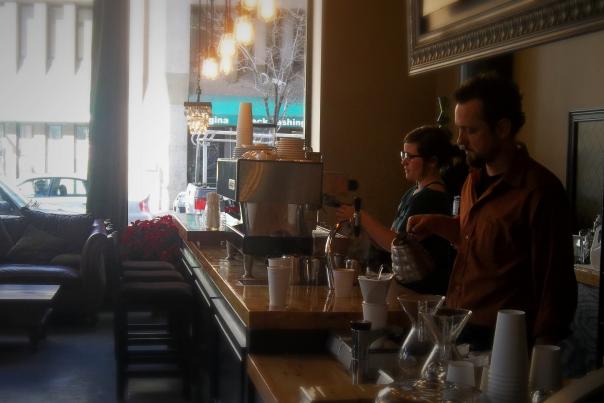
(500,29)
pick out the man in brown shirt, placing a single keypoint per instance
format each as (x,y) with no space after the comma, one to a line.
(513,239)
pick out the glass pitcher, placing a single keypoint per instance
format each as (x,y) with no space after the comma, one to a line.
(418,343)
(445,326)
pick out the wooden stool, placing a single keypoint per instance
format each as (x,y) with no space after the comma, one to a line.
(154,348)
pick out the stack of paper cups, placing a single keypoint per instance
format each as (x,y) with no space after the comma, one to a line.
(244,124)
(374,291)
(212,211)
(508,373)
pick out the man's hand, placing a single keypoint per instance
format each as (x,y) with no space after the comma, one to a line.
(419,226)
(422,226)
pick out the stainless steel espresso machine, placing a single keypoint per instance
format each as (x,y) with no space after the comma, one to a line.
(278,202)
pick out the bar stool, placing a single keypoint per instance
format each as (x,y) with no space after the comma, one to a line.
(152,321)
(154,348)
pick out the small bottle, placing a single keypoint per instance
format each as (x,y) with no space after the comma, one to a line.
(455,209)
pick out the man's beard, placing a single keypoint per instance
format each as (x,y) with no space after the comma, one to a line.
(474,160)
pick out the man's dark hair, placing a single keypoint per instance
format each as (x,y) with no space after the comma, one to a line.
(500,99)
(432,142)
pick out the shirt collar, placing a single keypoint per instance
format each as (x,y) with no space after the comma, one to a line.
(514,176)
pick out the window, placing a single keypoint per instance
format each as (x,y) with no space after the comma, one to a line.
(55,132)
(270,74)
(44,123)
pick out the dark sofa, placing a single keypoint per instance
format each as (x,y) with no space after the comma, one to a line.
(42,248)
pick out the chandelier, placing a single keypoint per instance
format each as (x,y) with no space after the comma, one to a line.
(198,113)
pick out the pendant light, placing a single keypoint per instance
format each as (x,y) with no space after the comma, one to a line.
(227,47)
(209,68)
(267,9)
(244,27)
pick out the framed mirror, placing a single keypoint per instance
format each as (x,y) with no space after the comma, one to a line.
(446,32)
(585,187)
(585,166)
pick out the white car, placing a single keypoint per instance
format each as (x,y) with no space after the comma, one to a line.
(67,194)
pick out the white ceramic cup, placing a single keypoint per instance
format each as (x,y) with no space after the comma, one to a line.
(343,279)
(461,372)
(278,284)
(375,291)
(377,314)
(546,372)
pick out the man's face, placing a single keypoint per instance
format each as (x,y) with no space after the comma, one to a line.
(474,134)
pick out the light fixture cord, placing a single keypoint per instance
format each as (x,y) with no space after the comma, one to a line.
(199,51)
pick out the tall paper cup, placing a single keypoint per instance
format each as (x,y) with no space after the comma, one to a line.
(343,279)
(278,283)
(508,373)
(244,124)
(546,373)
(461,372)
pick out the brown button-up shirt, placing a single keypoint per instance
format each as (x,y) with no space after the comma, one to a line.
(515,250)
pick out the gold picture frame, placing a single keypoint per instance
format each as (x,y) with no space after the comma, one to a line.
(443,33)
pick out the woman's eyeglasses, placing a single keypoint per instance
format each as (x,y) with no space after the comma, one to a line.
(408,156)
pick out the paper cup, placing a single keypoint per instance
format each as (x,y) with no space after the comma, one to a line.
(545,373)
(278,284)
(509,357)
(461,372)
(343,279)
(244,124)
(508,373)
(285,261)
(377,314)
(375,291)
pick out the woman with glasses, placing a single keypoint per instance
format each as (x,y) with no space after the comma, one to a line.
(426,151)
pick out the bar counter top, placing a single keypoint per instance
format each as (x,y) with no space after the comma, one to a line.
(308,307)
(305,378)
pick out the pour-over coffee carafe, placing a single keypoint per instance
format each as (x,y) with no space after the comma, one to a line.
(445,326)
(418,343)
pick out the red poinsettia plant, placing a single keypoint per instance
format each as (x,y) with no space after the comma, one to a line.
(155,239)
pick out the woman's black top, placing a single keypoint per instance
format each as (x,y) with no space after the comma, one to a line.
(428,201)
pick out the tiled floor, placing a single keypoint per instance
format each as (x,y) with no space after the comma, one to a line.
(74,364)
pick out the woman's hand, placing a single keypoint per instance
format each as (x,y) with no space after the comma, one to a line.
(344,212)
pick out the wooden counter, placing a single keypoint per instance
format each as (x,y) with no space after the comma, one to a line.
(308,307)
(587,275)
(306,378)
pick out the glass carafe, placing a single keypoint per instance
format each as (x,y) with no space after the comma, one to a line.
(445,326)
(418,343)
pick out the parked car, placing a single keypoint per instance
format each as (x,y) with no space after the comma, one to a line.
(68,194)
(10,201)
(194,199)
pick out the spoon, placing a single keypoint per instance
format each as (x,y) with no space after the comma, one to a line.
(380,272)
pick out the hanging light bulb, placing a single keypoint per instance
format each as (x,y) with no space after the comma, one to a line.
(249,4)
(244,30)
(267,9)
(227,46)
(209,68)
(226,65)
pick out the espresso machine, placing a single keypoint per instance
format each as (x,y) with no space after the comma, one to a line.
(278,201)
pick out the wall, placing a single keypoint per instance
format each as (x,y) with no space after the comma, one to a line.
(367,99)
(555,79)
